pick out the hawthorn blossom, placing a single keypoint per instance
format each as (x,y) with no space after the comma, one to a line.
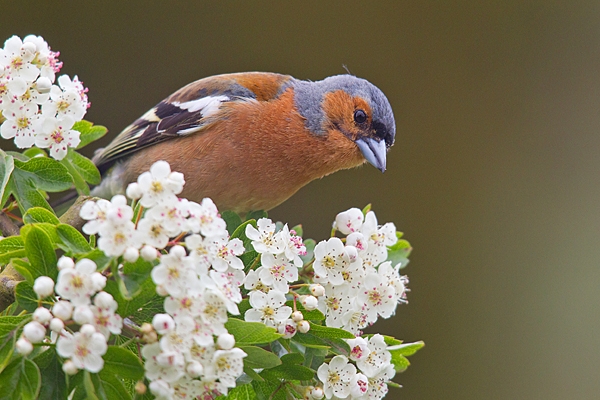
(268,308)
(338,377)
(175,272)
(264,239)
(84,348)
(377,359)
(57,135)
(79,283)
(349,221)
(331,259)
(277,271)
(22,123)
(227,252)
(160,185)
(228,365)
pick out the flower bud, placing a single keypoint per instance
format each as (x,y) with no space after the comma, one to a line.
(149,253)
(131,254)
(87,330)
(194,369)
(226,341)
(24,346)
(57,325)
(43,286)
(69,367)
(62,309)
(65,262)
(43,84)
(98,281)
(140,388)
(303,326)
(134,191)
(42,315)
(310,302)
(161,290)
(83,315)
(317,290)
(297,316)
(34,332)
(104,300)
(317,393)
(163,323)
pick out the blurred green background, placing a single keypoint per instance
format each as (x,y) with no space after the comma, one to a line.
(494,178)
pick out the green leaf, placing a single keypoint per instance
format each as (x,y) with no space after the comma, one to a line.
(135,274)
(366,209)
(88,132)
(39,214)
(11,247)
(80,184)
(47,174)
(26,297)
(48,228)
(289,372)
(401,351)
(259,358)
(90,388)
(399,252)
(40,252)
(142,307)
(247,333)
(9,326)
(34,151)
(314,357)
(73,241)
(84,166)
(54,386)
(326,332)
(269,390)
(323,336)
(102,260)
(232,219)
(7,166)
(20,380)
(241,392)
(23,267)
(257,215)
(298,229)
(26,193)
(122,362)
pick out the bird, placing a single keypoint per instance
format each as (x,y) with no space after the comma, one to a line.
(250,140)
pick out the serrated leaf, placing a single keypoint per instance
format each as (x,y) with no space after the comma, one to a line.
(314,357)
(26,297)
(11,247)
(80,184)
(54,386)
(135,274)
(34,152)
(269,390)
(259,358)
(49,229)
(88,132)
(23,267)
(122,362)
(247,333)
(323,336)
(47,174)
(26,193)
(142,307)
(289,372)
(20,380)
(326,332)
(7,166)
(39,214)
(72,240)
(41,255)
(241,392)
(84,166)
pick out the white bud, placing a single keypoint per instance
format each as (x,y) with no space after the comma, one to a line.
(134,191)
(69,367)
(63,310)
(104,300)
(310,302)
(149,253)
(178,251)
(297,316)
(163,323)
(161,290)
(43,84)
(57,325)
(87,330)
(42,315)
(83,315)
(303,326)
(131,254)
(34,332)
(317,393)
(43,286)
(98,281)
(28,47)
(225,341)
(317,290)
(194,369)
(24,346)
(65,262)
(161,389)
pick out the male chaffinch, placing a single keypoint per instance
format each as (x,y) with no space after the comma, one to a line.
(251,140)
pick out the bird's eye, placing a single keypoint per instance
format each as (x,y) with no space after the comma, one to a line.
(360,116)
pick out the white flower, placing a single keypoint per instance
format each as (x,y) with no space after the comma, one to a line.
(264,239)
(336,302)
(377,238)
(277,271)
(83,315)
(310,302)
(228,365)
(391,275)
(293,246)
(377,387)
(68,100)
(202,251)
(43,286)
(115,239)
(287,328)
(17,56)
(227,252)
(22,123)
(161,389)
(359,348)
(378,358)
(105,319)
(170,368)
(171,216)
(378,296)
(187,305)
(57,135)
(268,308)
(159,185)
(79,283)
(349,221)
(175,272)
(331,259)
(152,233)
(204,218)
(338,377)
(228,284)
(45,59)
(85,348)
(226,341)
(95,213)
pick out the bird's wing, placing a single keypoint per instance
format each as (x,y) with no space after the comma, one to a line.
(189,110)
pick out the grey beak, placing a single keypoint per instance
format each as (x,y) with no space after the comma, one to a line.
(374,152)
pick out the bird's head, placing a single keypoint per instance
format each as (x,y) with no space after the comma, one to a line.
(352,106)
